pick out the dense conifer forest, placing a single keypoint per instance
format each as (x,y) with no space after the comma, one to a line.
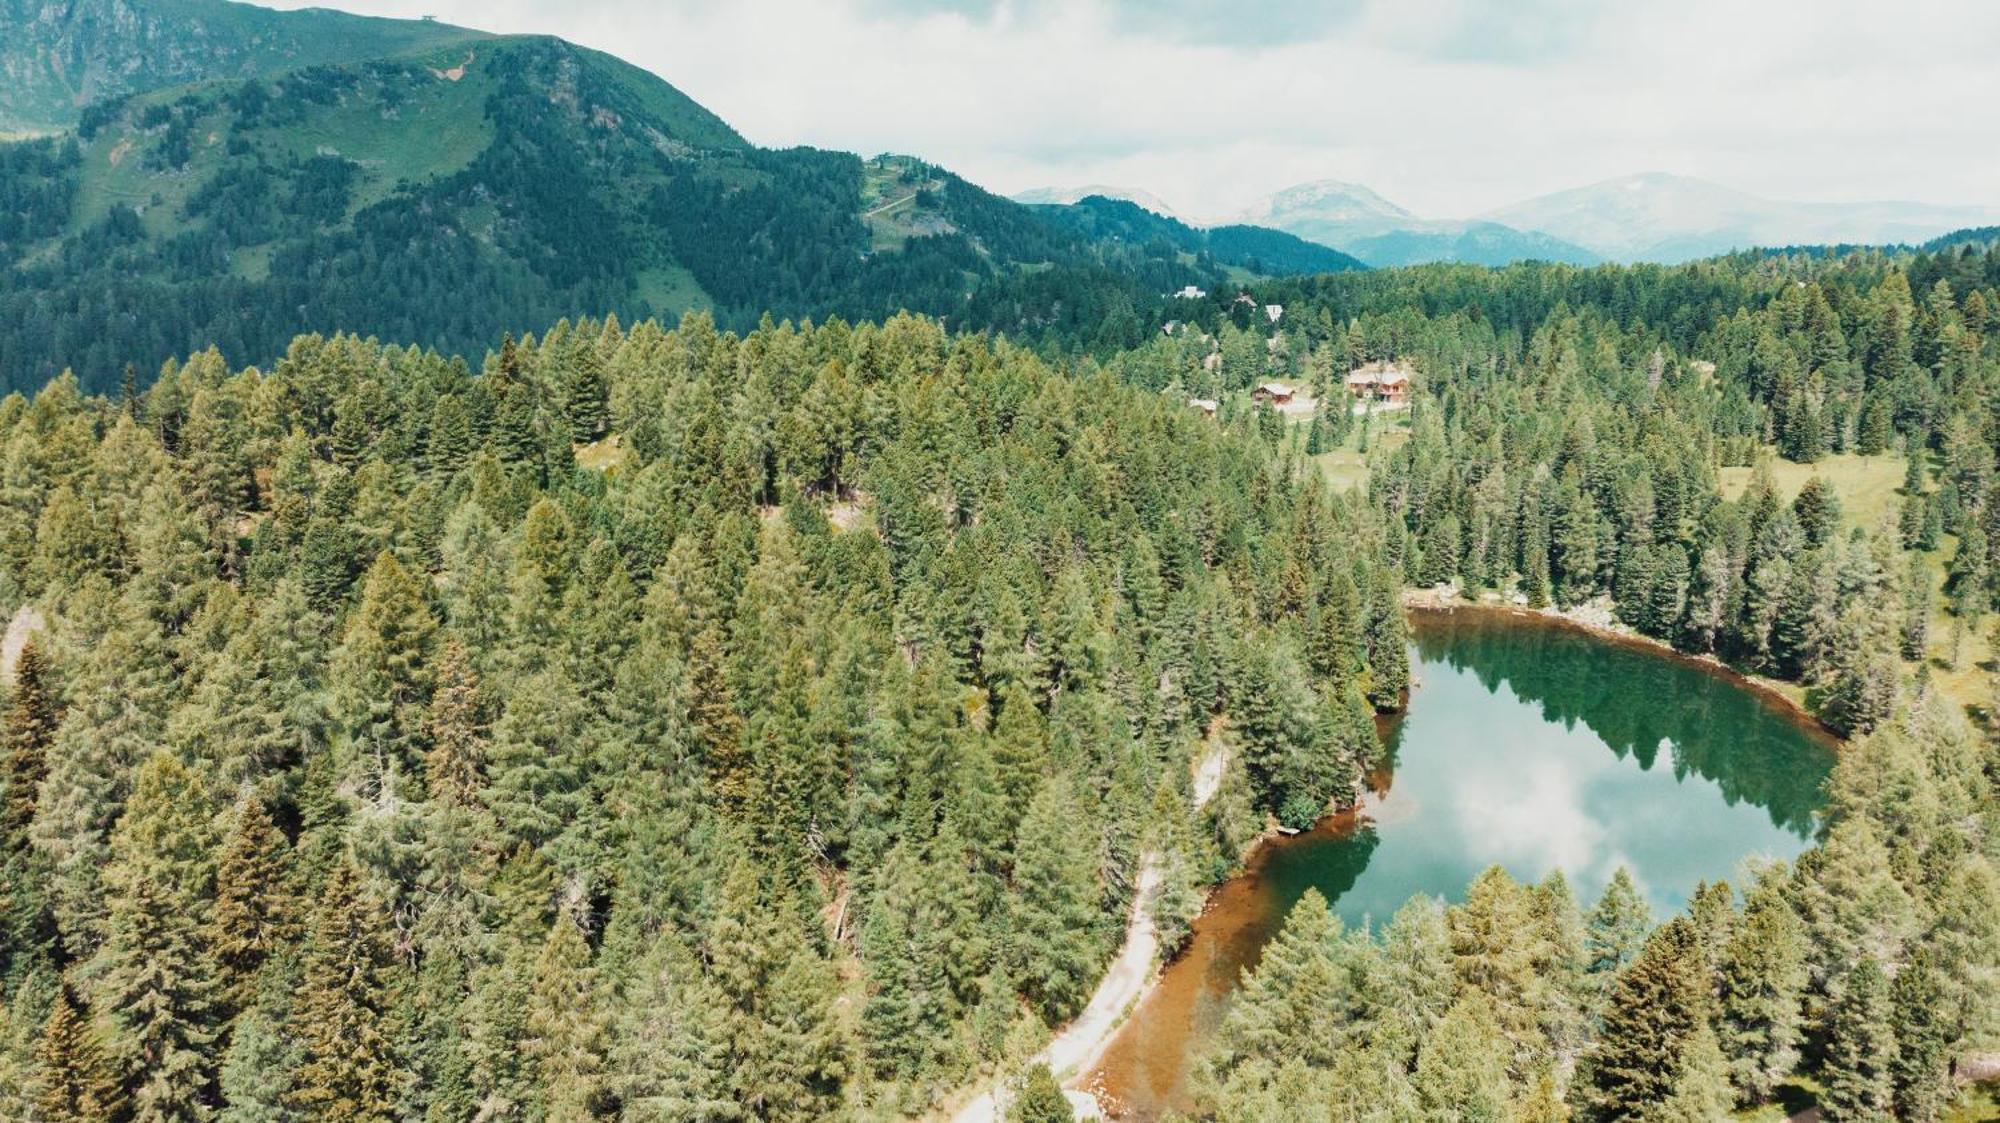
(668,724)
(772,682)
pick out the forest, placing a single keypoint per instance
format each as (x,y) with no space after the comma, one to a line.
(669,723)
(218,215)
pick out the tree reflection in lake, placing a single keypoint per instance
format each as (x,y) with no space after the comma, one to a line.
(1530,744)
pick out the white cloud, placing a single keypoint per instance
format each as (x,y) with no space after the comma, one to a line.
(1442,105)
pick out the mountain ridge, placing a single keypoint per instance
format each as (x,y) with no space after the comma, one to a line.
(1646,216)
(446,194)
(61,55)
(1660,216)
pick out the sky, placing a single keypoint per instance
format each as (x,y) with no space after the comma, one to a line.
(1448,107)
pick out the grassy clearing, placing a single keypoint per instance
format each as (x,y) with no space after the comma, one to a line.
(671,290)
(1867,485)
(1870,489)
(604,455)
(1346,467)
(890,207)
(1980,1104)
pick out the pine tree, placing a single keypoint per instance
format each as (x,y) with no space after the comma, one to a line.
(670,1052)
(256,1072)
(452,770)
(75,1083)
(1763,976)
(565,1030)
(787,1055)
(382,672)
(1388,650)
(1461,1071)
(1058,932)
(346,1071)
(1299,989)
(1701,1085)
(1617,927)
(1817,508)
(252,915)
(1650,1016)
(1860,1051)
(28,731)
(155,976)
(1920,1023)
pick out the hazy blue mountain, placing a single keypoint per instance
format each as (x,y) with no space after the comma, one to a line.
(1660,217)
(1358,221)
(1035,196)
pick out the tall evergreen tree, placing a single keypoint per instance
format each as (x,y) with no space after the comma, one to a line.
(1860,1051)
(75,1083)
(25,736)
(1650,1017)
(155,975)
(346,1071)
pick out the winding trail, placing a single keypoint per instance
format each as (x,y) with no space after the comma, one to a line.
(1077,1047)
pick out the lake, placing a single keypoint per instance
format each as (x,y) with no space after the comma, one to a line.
(1528,743)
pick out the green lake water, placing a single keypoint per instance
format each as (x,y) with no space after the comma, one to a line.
(1529,744)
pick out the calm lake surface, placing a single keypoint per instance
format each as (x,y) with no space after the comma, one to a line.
(1530,744)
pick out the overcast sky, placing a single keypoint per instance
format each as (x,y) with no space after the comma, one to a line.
(1449,107)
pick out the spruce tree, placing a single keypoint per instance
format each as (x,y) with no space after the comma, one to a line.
(457,728)
(382,673)
(1701,1091)
(670,1055)
(565,1029)
(1861,1056)
(1461,1071)
(1058,933)
(1649,1019)
(74,1081)
(1920,1021)
(252,913)
(1763,978)
(155,975)
(256,1072)
(1035,1097)
(346,1071)
(25,736)
(1617,926)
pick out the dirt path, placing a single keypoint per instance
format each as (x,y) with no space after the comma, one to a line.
(890,205)
(1076,1048)
(1208,775)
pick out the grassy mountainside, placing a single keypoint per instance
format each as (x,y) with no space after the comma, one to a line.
(473,186)
(58,57)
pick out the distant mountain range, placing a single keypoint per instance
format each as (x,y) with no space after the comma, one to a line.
(1661,217)
(1354,218)
(243,175)
(1650,217)
(1063,196)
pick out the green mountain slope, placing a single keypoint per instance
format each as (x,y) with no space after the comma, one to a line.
(1253,248)
(57,57)
(452,192)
